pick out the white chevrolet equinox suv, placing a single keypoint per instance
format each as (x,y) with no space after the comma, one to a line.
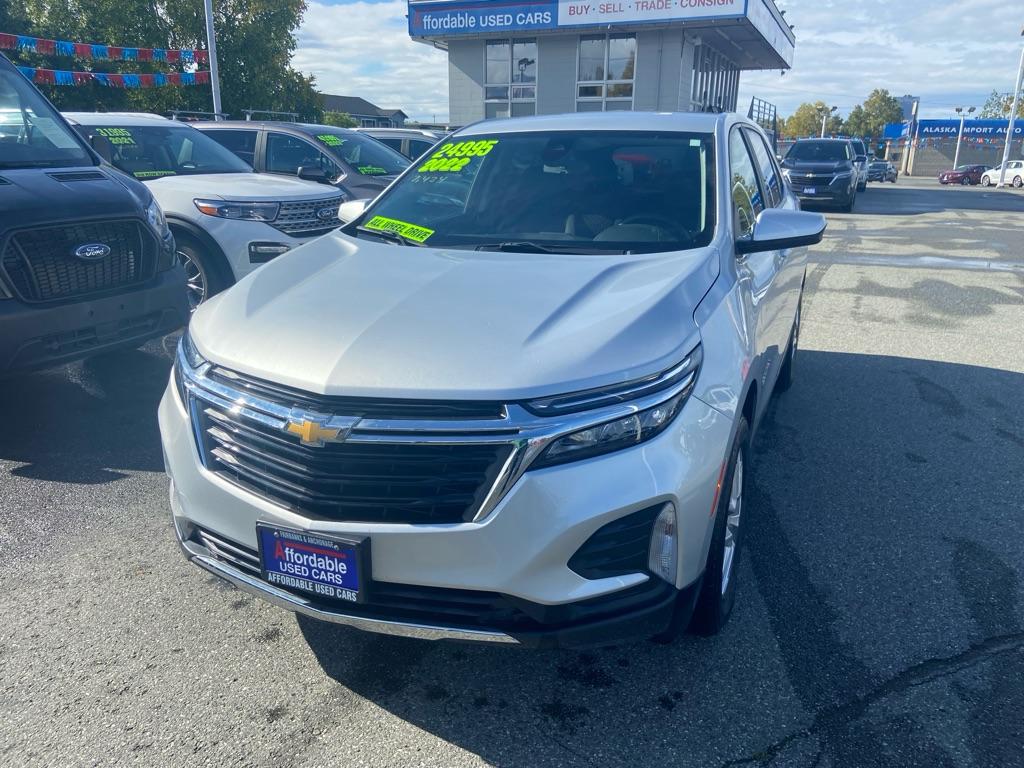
(512,399)
(227,219)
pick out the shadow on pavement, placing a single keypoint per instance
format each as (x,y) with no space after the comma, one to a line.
(896,200)
(86,422)
(878,621)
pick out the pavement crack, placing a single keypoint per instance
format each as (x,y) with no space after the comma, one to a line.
(833,719)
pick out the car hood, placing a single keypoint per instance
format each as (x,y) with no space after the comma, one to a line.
(246,187)
(341,316)
(34,196)
(801,167)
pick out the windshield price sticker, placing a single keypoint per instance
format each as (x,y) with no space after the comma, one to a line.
(452,158)
(330,140)
(153,174)
(117,136)
(403,228)
(372,170)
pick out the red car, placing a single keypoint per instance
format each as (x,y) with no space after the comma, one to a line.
(965,174)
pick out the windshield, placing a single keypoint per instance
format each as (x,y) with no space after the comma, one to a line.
(570,192)
(152,151)
(363,154)
(31,134)
(818,152)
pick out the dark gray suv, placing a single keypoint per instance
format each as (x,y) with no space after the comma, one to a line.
(355,163)
(823,172)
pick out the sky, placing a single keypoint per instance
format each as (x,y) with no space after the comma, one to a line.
(949,52)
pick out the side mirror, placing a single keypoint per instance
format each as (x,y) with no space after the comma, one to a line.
(313,173)
(777,230)
(351,210)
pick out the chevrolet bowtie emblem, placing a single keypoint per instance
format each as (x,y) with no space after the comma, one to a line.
(317,432)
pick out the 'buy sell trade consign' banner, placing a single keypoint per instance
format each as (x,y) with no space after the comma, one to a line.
(442,18)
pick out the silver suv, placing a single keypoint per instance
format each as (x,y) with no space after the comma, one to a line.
(513,399)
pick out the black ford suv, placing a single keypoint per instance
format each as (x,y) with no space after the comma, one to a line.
(823,171)
(87,263)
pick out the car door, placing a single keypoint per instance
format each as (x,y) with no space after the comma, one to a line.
(757,272)
(285,154)
(789,264)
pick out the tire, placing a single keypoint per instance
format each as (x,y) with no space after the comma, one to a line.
(986,181)
(718,587)
(1018,182)
(206,273)
(862,187)
(786,373)
(848,207)
(965,182)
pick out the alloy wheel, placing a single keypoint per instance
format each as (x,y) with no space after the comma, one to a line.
(196,283)
(732,522)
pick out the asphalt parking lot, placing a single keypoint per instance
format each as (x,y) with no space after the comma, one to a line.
(880,617)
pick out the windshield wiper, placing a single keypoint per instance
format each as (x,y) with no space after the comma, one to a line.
(391,237)
(528,246)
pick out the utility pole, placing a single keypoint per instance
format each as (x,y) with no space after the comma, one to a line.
(211,47)
(1013,119)
(824,119)
(960,136)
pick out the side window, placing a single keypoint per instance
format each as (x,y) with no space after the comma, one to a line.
(766,165)
(242,143)
(286,154)
(417,148)
(747,202)
(395,144)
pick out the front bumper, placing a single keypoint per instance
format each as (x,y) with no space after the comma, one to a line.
(513,564)
(235,238)
(36,336)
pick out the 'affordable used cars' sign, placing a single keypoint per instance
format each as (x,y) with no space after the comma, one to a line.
(443,17)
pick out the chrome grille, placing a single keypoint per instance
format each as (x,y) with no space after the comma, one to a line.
(300,218)
(41,266)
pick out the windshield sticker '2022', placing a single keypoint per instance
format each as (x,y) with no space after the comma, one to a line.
(403,228)
(452,158)
(330,140)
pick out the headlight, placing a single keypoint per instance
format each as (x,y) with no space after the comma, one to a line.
(187,357)
(156,218)
(648,421)
(228,209)
(844,175)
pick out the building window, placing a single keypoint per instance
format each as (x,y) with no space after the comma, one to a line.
(606,67)
(510,81)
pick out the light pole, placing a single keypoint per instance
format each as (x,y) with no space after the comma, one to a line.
(824,118)
(211,47)
(960,136)
(1013,119)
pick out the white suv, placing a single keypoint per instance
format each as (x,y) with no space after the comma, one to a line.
(227,220)
(512,400)
(1014,174)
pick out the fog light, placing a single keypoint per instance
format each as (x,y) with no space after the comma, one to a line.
(661,559)
(261,253)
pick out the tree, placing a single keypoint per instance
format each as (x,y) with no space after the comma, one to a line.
(879,109)
(999,105)
(806,121)
(340,119)
(255,43)
(857,122)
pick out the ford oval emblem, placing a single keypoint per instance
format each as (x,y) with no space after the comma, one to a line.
(326,213)
(92,251)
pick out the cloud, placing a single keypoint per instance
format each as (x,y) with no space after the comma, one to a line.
(948,52)
(363,49)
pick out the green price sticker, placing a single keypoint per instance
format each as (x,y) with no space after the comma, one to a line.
(405,229)
(453,157)
(330,140)
(153,174)
(117,136)
(372,170)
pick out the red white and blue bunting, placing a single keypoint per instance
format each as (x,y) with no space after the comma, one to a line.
(114,80)
(49,47)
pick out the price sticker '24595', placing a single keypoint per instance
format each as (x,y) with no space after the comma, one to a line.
(452,158)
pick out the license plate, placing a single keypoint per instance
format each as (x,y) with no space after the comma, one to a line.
(810,190)
(325,566)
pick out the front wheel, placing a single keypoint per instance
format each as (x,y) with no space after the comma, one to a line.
(965,182)
(204,274)
(1018,182)
(718,588)
(986,181)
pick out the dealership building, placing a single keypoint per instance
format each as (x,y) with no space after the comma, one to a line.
(526,57)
